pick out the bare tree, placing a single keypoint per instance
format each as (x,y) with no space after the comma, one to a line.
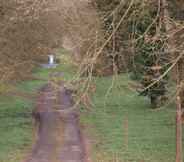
(29,30)
(175,45)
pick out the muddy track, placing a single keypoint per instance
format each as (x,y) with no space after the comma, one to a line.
(58,133)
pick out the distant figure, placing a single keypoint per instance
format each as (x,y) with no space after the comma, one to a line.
(51,59)
(51,62)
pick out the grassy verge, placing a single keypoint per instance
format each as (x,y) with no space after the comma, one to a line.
(15,128)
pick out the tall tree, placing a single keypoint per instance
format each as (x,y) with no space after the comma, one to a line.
(175,46)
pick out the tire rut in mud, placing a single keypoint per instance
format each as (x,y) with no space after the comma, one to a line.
(58,133)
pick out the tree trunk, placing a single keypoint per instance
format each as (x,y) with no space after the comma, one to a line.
(179,156)
(179,73)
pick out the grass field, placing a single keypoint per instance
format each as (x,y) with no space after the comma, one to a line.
(15,128)
(124,127)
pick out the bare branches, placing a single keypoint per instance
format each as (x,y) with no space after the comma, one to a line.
(30,29)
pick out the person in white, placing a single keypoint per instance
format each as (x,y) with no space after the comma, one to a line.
(51,59)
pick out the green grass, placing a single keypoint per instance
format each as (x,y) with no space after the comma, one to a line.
(15,128)
(125,128)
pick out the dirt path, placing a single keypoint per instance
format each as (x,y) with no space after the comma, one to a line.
(58,134)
